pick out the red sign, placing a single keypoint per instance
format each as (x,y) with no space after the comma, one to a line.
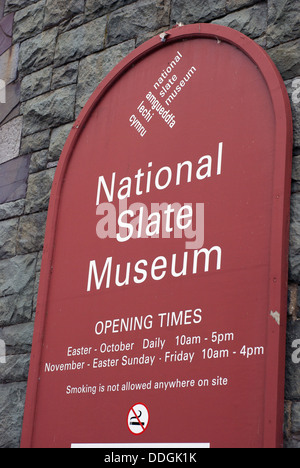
(164,273)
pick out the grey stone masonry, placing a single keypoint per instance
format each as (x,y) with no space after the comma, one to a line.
(53,55)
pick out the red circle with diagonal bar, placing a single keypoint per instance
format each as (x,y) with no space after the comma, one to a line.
(138,419)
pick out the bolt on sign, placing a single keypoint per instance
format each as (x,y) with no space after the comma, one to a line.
(162,300)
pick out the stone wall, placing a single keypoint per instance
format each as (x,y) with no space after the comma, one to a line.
(53,54)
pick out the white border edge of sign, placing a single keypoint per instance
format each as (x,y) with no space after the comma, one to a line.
(141,446)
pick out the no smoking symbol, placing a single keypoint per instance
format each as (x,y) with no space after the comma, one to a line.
(138,419)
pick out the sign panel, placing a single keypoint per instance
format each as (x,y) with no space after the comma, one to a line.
(161,309)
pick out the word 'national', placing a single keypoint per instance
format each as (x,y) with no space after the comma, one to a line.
(145,180)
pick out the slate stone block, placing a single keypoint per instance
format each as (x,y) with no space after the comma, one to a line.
(58,10)
(18,338)
(38,161)
(16,308)
(17,274)
(11,210)
(94,8)
(14,5)
(12,100)
(36,83)
(35,142)
(37,52)
(296,420)
(6,25)
(29,21)
(251,21)
(10,138)
(94,68)
(13,179)
(140,17)
(286,58)
(31,233)
(238,4)
(16,368)
(12,401)
(8,235)
(58,139)
(196,11)
(49,110)
(9,64)
(2,5)
(283,21)
(294,251)
(65,75)
(38,192)
(81,41)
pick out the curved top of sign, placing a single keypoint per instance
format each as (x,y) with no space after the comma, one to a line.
(218,33)
(195,123)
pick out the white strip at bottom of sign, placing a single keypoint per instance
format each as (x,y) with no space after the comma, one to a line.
(141,446)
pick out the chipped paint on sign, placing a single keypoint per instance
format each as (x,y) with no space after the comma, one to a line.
(276,316)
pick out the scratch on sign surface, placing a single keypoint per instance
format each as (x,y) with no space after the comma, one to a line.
(276,316)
